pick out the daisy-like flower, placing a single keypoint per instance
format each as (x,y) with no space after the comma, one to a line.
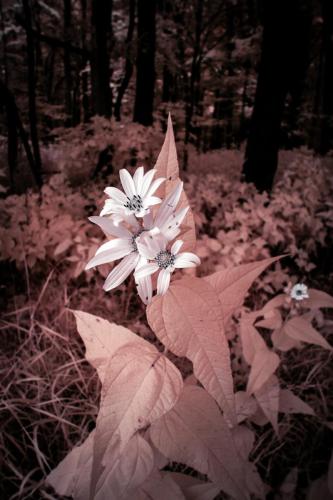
(299,292)
(124,247)
(138,196)
(163,260)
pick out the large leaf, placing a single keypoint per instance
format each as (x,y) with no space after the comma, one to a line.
(268,400)
(264,364)
(282,342)
(290,403)
(232,284)
(317,299)
(121,477)
(251,340)
(139,386)
(193,488)
(298,328)
(167,166)
(195,433)
(188,321)
(159,486)
(102,339)
(246,406)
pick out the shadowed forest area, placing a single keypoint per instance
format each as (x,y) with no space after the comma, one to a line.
(86,88)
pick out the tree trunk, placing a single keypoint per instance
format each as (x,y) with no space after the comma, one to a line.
(193,91)
(100,64)
(323,113)
(128,62)
(67,62)
(145,64)
(32,92)
(282,47)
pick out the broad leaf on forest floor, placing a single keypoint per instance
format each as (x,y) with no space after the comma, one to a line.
(232,284)
(188,321)
(301,330)
(167,166)
(195,433)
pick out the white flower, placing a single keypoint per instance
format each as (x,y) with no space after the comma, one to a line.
(299,292)
(164,261)
(138,196)
(124,247)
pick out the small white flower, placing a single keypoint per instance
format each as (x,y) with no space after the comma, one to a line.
(138,196)
(299,292)
(165,261)
(123,246)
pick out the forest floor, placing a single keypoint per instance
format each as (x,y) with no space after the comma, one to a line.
(50,393)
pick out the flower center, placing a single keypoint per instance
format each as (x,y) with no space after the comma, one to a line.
(299,292)
(135,203)
(134,237)
(165,259)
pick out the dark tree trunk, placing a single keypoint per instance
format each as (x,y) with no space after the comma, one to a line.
(283,47)
(128,60)
(32,92)
(193,91)
(15,127)
(145,64)
(4,46)
(67,62)
(84,61)
(100,63)
(322,136)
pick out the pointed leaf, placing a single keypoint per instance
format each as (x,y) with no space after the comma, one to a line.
(282,342)
(193,488)
(245,405)
(251,339)
(102,339)
(187,320)
(268,400)
(195,433)
(139,386)
(317,299)
(232,284)
(167,166)
(159,486)
(290,403)
(264,364)
(300,329)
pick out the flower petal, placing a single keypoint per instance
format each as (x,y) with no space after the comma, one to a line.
(186,259)
(116,194)
(163,281)
(109,227)
(147,179)
(127,182)
(150,201)
(111,207)
(145,289)
(154,186)
(106,257)
(146,270)
(176,246)
(138,178)
(120,272)
(116,246)
(148,221)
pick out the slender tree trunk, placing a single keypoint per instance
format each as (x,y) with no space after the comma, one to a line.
(32,92)
(100,60)
(67,62)
(84,61)
(282,46)
(192,96)
(128,60)
(145,64)
(15,127)
(322,136)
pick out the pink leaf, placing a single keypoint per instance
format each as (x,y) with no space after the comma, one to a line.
(268,400)
(195,433)
(264,364)
(300,329)
(139,386)
(317,299)
(167,166)
(187,320)
(102,339)
(159,486)
(290,403)
(251,339)
(193,488)
(246,406)
(282,342)
(232,284)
